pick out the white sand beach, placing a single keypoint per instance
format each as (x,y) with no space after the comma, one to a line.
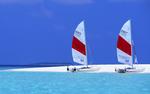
(102,68)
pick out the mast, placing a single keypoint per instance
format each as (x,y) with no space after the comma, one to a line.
(131,45)
(86,64)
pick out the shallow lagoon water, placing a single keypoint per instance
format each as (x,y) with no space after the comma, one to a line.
(73,83)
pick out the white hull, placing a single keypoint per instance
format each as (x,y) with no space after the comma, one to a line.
(84,69)
(132,70)
(135,70)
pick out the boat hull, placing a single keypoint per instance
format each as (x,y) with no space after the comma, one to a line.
(130,70)
(84,69)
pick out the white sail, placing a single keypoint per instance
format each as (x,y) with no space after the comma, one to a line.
(134,54)
(79,52)
(124,44)
(135,59)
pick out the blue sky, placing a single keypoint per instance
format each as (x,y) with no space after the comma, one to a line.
(40,31)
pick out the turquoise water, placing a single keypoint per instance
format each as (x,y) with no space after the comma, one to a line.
(73,83)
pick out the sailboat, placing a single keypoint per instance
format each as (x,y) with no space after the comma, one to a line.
(125,46)
(79,49)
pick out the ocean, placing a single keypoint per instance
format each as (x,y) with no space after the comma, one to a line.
(73,83)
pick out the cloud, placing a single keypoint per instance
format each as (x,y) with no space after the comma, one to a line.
(20,1)
(40,10)
(128,1)
(47,12)
(65,2)
(74,2)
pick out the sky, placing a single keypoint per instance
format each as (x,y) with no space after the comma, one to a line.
(41,31)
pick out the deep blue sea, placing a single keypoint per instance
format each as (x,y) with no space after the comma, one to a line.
(73,83)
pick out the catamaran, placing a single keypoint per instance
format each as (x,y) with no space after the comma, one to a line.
(125,49)
(79,49)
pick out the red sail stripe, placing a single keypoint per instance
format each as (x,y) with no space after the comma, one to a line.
(123,45)
(78,45)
